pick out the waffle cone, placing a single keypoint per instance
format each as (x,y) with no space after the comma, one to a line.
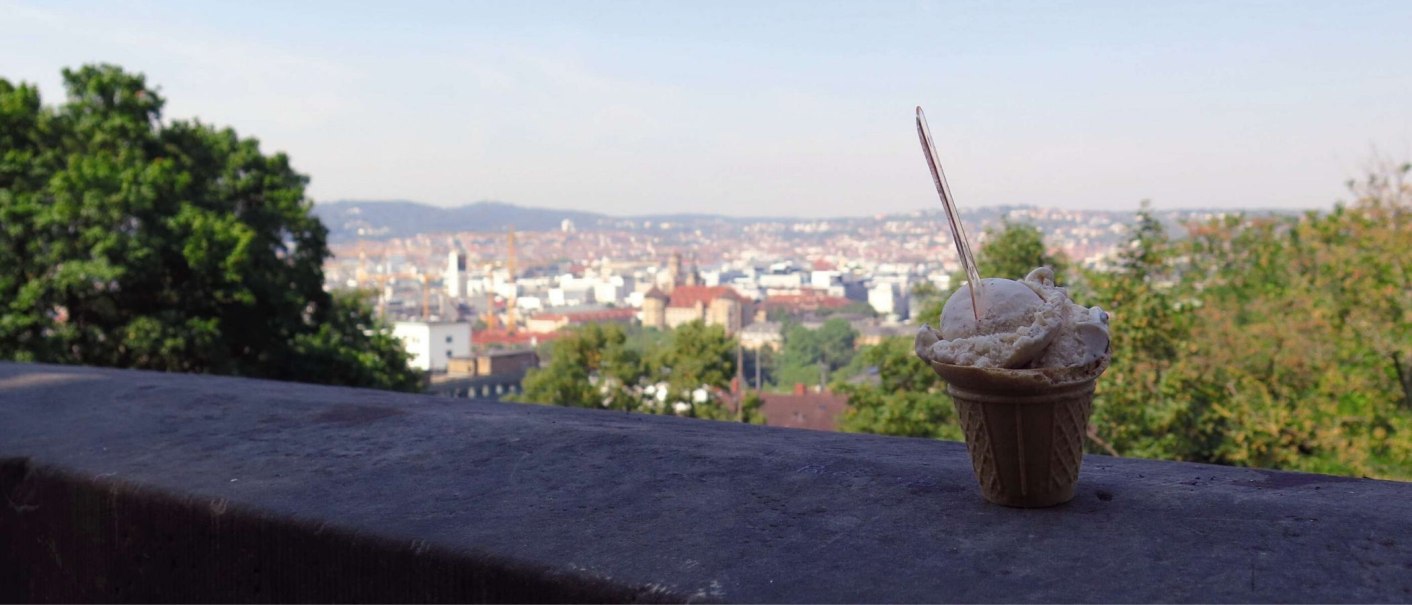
(1024,428)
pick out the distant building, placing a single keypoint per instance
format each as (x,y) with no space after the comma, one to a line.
(495,363)
(762,335)
(714,305)
(791,281)
(455,276)
(550,322)
(679,298)
(677,275)
(572,295)
(613,290)
(500,363)
(499,338)
(654,308)
(432,344)
(804,409)
(489,375)
(887,299)
(807,301)
(876,335)
(824,279)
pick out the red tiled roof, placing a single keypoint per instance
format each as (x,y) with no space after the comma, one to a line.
(815,411)
(500,336)
(688,296)
(820,264)
(808,301)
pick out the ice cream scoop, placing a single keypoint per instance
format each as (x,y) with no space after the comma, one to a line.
(1029,323)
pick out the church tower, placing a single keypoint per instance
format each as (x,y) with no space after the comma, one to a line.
(674,272)
(693,278)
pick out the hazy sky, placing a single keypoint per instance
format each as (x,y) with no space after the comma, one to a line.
(782,108)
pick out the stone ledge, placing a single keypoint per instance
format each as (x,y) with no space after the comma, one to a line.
(138,486)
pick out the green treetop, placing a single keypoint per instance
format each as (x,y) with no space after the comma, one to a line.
(601,366)
(592,367)
(697,356)
(1013,251)
(128,241)
(808,356)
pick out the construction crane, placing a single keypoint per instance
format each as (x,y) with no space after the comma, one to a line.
(491,320)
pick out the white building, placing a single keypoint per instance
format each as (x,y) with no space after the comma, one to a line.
(570,296)
(823,280)
(782,281)
(611,290)
(455,277)
(887,299)
(432,344)
(762,334)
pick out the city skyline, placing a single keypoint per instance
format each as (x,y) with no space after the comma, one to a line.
(789,109)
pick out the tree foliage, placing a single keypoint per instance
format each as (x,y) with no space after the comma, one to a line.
(698,356)
(128,241)
(1291,355)
(1013,250)
(687,372)
(907,400)
(809,356)
(591,367)
(1277,342)
(1148,323)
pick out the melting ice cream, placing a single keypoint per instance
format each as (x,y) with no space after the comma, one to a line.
(1030,323)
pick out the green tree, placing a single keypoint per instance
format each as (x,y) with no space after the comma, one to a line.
(1266,341)
(1291,357)
(606,366)
(698,356)
(1013,251)
(129,242)
(930,300)
(1148,326)
(809,356)
(908,399)
(750,411)
(590,367)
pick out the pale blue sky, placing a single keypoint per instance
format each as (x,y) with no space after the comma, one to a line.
(789,108)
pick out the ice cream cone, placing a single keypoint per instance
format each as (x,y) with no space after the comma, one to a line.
(1024,428)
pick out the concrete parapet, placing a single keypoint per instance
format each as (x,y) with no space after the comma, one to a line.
(140,486)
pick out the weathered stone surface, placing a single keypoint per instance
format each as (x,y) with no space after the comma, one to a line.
(136,486)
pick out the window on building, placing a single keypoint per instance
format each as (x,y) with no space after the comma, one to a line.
(448,339)
(448,353)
